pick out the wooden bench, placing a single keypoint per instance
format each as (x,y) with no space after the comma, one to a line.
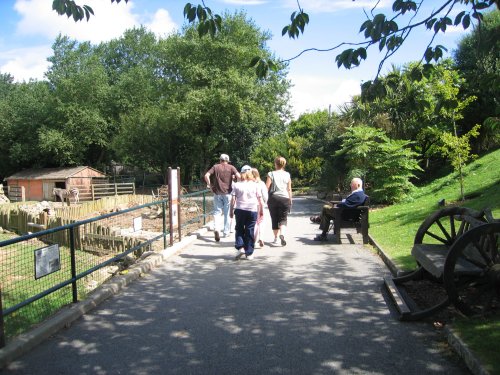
(351,218)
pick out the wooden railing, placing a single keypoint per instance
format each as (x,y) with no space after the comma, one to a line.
(16,193)
(14,219)
(98,191)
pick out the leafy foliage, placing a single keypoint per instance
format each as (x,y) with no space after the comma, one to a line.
(204,105)
(457,149)
(478,59)
(25,108)
(147,102)
(378,29)
(208,23)
(299,20)
(384,164)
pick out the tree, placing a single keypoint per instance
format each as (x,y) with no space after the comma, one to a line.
(414,110)
(477,58)
(298,146)
(386,166)
(457,149)
(207,105)
(263,154)
(24,109)
(379,29)
(312,137)
(80,130)
(6,84)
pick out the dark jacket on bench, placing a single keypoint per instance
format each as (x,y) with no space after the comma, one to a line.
(354,200)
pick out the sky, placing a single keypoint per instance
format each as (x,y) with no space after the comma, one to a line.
(28,29)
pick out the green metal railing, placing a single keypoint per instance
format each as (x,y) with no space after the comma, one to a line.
(89,252)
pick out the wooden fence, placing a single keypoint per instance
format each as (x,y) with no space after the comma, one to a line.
(95,237)
(16,193)
(97,191)
(14,219)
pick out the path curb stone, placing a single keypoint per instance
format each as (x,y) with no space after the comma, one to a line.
(473,363)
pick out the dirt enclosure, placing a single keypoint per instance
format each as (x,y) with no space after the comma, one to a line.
(144,223)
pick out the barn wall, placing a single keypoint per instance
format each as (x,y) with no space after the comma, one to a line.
(33,188)
(84,177)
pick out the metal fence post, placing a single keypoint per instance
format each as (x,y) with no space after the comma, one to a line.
(73,263)
(204,209)
(2,326)
(164,210)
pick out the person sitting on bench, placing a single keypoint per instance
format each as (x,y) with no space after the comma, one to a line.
(355,199)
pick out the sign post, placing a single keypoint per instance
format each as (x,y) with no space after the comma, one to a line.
(174,213)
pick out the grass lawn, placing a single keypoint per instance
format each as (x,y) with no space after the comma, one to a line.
(394,228)
(483,337)
(18,283)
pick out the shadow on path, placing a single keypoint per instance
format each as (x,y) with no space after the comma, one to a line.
(306,308)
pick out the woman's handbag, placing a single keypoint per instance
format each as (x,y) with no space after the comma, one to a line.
(272,188)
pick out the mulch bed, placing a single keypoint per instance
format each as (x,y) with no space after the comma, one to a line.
(427,293)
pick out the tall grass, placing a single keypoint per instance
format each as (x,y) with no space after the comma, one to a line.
(394,227)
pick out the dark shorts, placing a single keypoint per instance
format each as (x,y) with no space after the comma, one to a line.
(278,208)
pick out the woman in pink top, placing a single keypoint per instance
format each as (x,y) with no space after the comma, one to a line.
(246,207)
(264,195)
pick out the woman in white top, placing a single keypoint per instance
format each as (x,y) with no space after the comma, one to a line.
(246,207)
(264,194)
(279,185)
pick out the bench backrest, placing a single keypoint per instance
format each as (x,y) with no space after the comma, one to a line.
(354,214)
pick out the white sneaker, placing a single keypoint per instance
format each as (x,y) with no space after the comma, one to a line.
(240,253)
(275,242)
(250,257)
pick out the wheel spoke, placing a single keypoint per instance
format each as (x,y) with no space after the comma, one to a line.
(440,239)
(462,228)
(481,247)
(452,226)
(444,231)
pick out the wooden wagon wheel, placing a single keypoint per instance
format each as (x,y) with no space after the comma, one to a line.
(472,271)
(445,226)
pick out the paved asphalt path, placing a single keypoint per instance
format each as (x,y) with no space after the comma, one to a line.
(306,308)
